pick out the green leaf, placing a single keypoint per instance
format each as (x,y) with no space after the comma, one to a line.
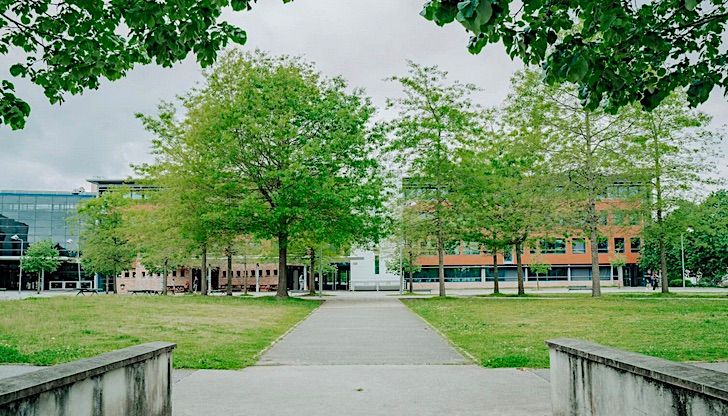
(17,70)
(691,4)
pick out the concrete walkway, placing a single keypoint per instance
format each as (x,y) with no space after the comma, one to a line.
(363,355)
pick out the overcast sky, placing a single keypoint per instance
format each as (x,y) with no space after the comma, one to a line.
(96,134)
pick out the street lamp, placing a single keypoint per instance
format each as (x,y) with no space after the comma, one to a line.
(78,259)
(20,276)
(682,252)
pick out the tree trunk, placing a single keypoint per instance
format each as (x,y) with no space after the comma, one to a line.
(411,273)
(661,237)
(496,288)
(229,272)
(203,278)
(312,272)
(282,291)
(594,243)
(164,278)
(519,268)
(440,261)
(40,281)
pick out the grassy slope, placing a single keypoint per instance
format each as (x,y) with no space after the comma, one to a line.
(510,332)
(210,332)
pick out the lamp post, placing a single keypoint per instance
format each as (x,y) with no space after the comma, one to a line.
(682,252)
(20,275)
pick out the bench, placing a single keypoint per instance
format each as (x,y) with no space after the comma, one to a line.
(146,291)
(580,288)
(83,291)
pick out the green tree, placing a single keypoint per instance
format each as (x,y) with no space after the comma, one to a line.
(703,228)
(676,152)
(294,148)
(435,118)
(505,194)
(539,267)
(617,52)
(107,250)
(409,233)
(41,257)
(193,198)
(586,150)
(67,46)
(157,236)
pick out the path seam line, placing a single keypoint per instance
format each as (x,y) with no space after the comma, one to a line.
(467,355)
(260,353)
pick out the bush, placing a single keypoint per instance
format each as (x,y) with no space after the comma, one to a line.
(679,283)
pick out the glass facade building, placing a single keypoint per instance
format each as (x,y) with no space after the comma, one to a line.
(35,216)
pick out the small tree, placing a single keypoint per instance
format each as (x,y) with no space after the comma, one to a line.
(107,249)
(619,261)
(539,267)
(41,257)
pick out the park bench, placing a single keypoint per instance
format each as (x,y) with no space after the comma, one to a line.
(579,287)
(82,291)
(146,291)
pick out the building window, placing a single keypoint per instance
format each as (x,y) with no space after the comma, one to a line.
(508,257)
(376,264)
(182,273)
(634,244)
(619,245)
(578,245)
(603,245)
(275,272)
(237,273)
(267,272)
(224,273)
(126,274)
(133,274)
(174,273)
(144,274)
(555,246)
(618,218)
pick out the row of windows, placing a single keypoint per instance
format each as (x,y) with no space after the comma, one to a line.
(545,246)
(506,274)
(578,245)
(250,273)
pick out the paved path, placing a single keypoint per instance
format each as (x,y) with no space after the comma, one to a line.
(364,355)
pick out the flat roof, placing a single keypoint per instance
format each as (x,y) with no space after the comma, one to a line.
(47,193)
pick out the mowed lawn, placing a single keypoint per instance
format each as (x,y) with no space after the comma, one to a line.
(210,332)
(510,332)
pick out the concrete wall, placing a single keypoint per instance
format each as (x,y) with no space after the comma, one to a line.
(134,381)
(589,379)
(363,276)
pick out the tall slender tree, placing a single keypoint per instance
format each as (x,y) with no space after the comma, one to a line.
(586,149)
(41,257)
(675,151)
(435,118)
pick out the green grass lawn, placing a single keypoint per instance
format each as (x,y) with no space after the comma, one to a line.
(510,332)
(210,332)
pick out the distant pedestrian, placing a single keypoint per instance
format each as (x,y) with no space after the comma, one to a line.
(654,281)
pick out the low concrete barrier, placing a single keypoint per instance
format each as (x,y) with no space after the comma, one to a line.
(134,381)
(589,379)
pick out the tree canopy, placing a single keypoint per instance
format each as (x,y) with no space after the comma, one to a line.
(275,150)
(69,46)
(618,52)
